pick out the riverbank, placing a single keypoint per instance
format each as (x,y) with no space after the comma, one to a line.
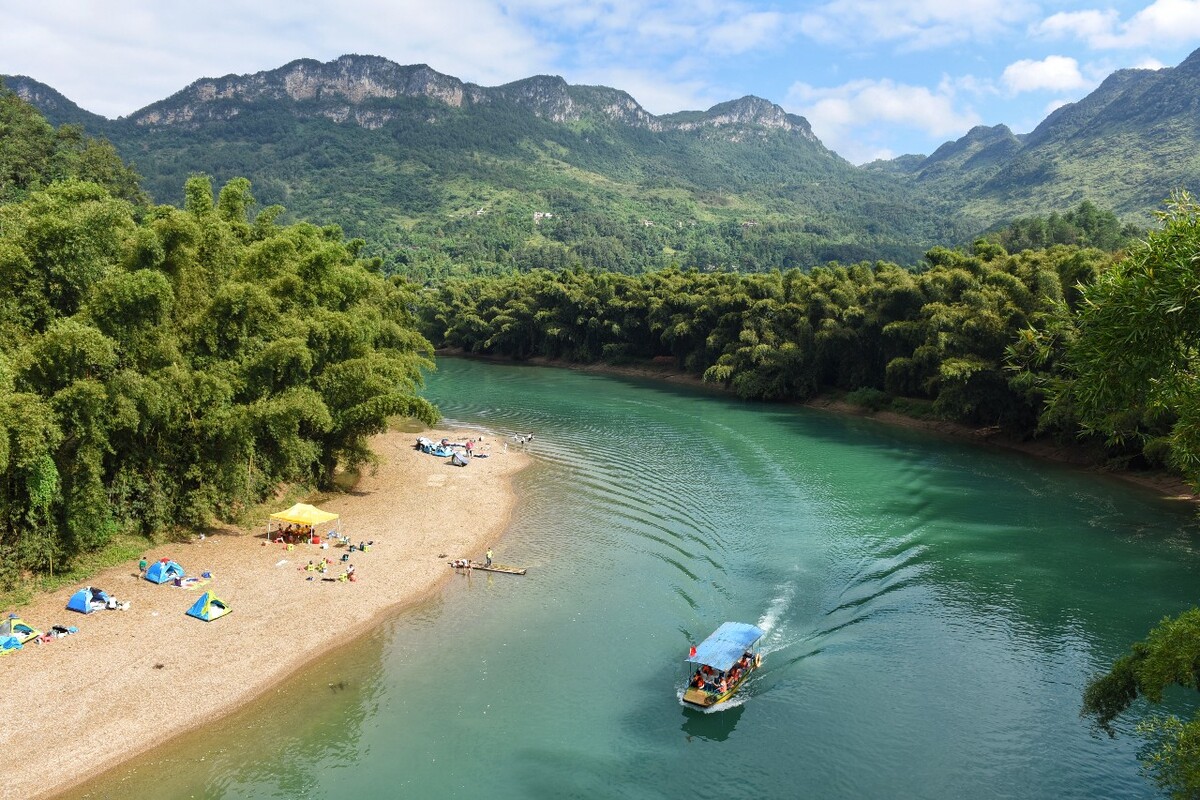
(1164,484)
(129,681)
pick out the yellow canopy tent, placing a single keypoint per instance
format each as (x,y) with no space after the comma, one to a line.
(301,514)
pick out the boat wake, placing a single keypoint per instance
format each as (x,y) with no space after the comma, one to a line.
(777,607)
(773,621)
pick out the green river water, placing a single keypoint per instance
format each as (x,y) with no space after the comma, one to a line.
(933,610)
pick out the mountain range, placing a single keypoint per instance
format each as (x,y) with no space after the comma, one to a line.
(539,172)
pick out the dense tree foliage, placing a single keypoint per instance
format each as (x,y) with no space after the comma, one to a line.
(161,366)
(948,333)
(1133,366)
(1086,225)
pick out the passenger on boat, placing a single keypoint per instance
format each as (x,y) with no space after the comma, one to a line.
(697,681)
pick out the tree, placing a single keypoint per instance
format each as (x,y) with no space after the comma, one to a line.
(1135,358)
(1134,377)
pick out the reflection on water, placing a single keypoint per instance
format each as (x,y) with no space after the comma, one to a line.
(932,612)
(712,725)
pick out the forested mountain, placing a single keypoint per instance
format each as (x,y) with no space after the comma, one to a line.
(1131,142)
(443,176)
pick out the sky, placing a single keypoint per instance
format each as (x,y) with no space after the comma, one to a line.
(875,78)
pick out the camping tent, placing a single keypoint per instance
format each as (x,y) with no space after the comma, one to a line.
(87,600)
(300,514)
(163,571)
(458,459)
(18,628)
(208,607)
(8,644)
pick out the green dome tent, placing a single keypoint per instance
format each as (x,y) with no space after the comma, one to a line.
(18,628)
(208,607)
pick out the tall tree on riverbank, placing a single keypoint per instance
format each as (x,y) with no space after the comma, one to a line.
(1136,355)
(1134,377)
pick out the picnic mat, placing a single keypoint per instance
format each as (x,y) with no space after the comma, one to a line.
(192,583)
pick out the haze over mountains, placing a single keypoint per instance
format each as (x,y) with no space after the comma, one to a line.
(406,157)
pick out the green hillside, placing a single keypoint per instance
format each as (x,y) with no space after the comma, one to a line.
(1130,143)
(440,187)
(445,177)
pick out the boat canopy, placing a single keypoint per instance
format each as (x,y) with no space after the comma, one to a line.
(726,645)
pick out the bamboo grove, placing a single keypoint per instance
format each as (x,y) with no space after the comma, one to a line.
(164,366)
(956,334)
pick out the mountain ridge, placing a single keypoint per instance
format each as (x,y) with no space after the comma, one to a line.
(365,80)
(1131,141)
(403,154)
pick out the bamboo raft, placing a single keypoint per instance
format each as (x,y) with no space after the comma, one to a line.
(506,569)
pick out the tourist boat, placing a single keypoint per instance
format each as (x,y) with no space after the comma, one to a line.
(723,663)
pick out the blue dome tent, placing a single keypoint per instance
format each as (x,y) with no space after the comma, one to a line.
(87,600)
(163,571)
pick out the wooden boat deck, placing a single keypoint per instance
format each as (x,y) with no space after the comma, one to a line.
(505,568)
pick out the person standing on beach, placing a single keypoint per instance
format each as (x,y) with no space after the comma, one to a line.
(488,562)
(142,567)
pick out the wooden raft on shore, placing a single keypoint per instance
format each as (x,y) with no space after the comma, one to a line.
(507,570)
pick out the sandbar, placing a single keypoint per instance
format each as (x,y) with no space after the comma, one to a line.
(130,680)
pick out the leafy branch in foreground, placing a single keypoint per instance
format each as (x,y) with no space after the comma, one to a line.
(1168,656)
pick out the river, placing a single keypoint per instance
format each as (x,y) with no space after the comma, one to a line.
(933,611)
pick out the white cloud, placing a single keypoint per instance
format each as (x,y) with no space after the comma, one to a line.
(1161,22)
(951,85)
(1150,63)
(851,118)
(1052,73)
(668,27)
(751,31)
(916,24)
(1085,25)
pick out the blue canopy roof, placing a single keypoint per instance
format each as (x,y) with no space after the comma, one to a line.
(726,645)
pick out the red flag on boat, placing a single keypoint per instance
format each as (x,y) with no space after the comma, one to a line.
(692,652)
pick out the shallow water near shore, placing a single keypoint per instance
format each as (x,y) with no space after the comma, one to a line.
(933,611)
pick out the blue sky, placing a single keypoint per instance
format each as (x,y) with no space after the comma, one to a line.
(876,78)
